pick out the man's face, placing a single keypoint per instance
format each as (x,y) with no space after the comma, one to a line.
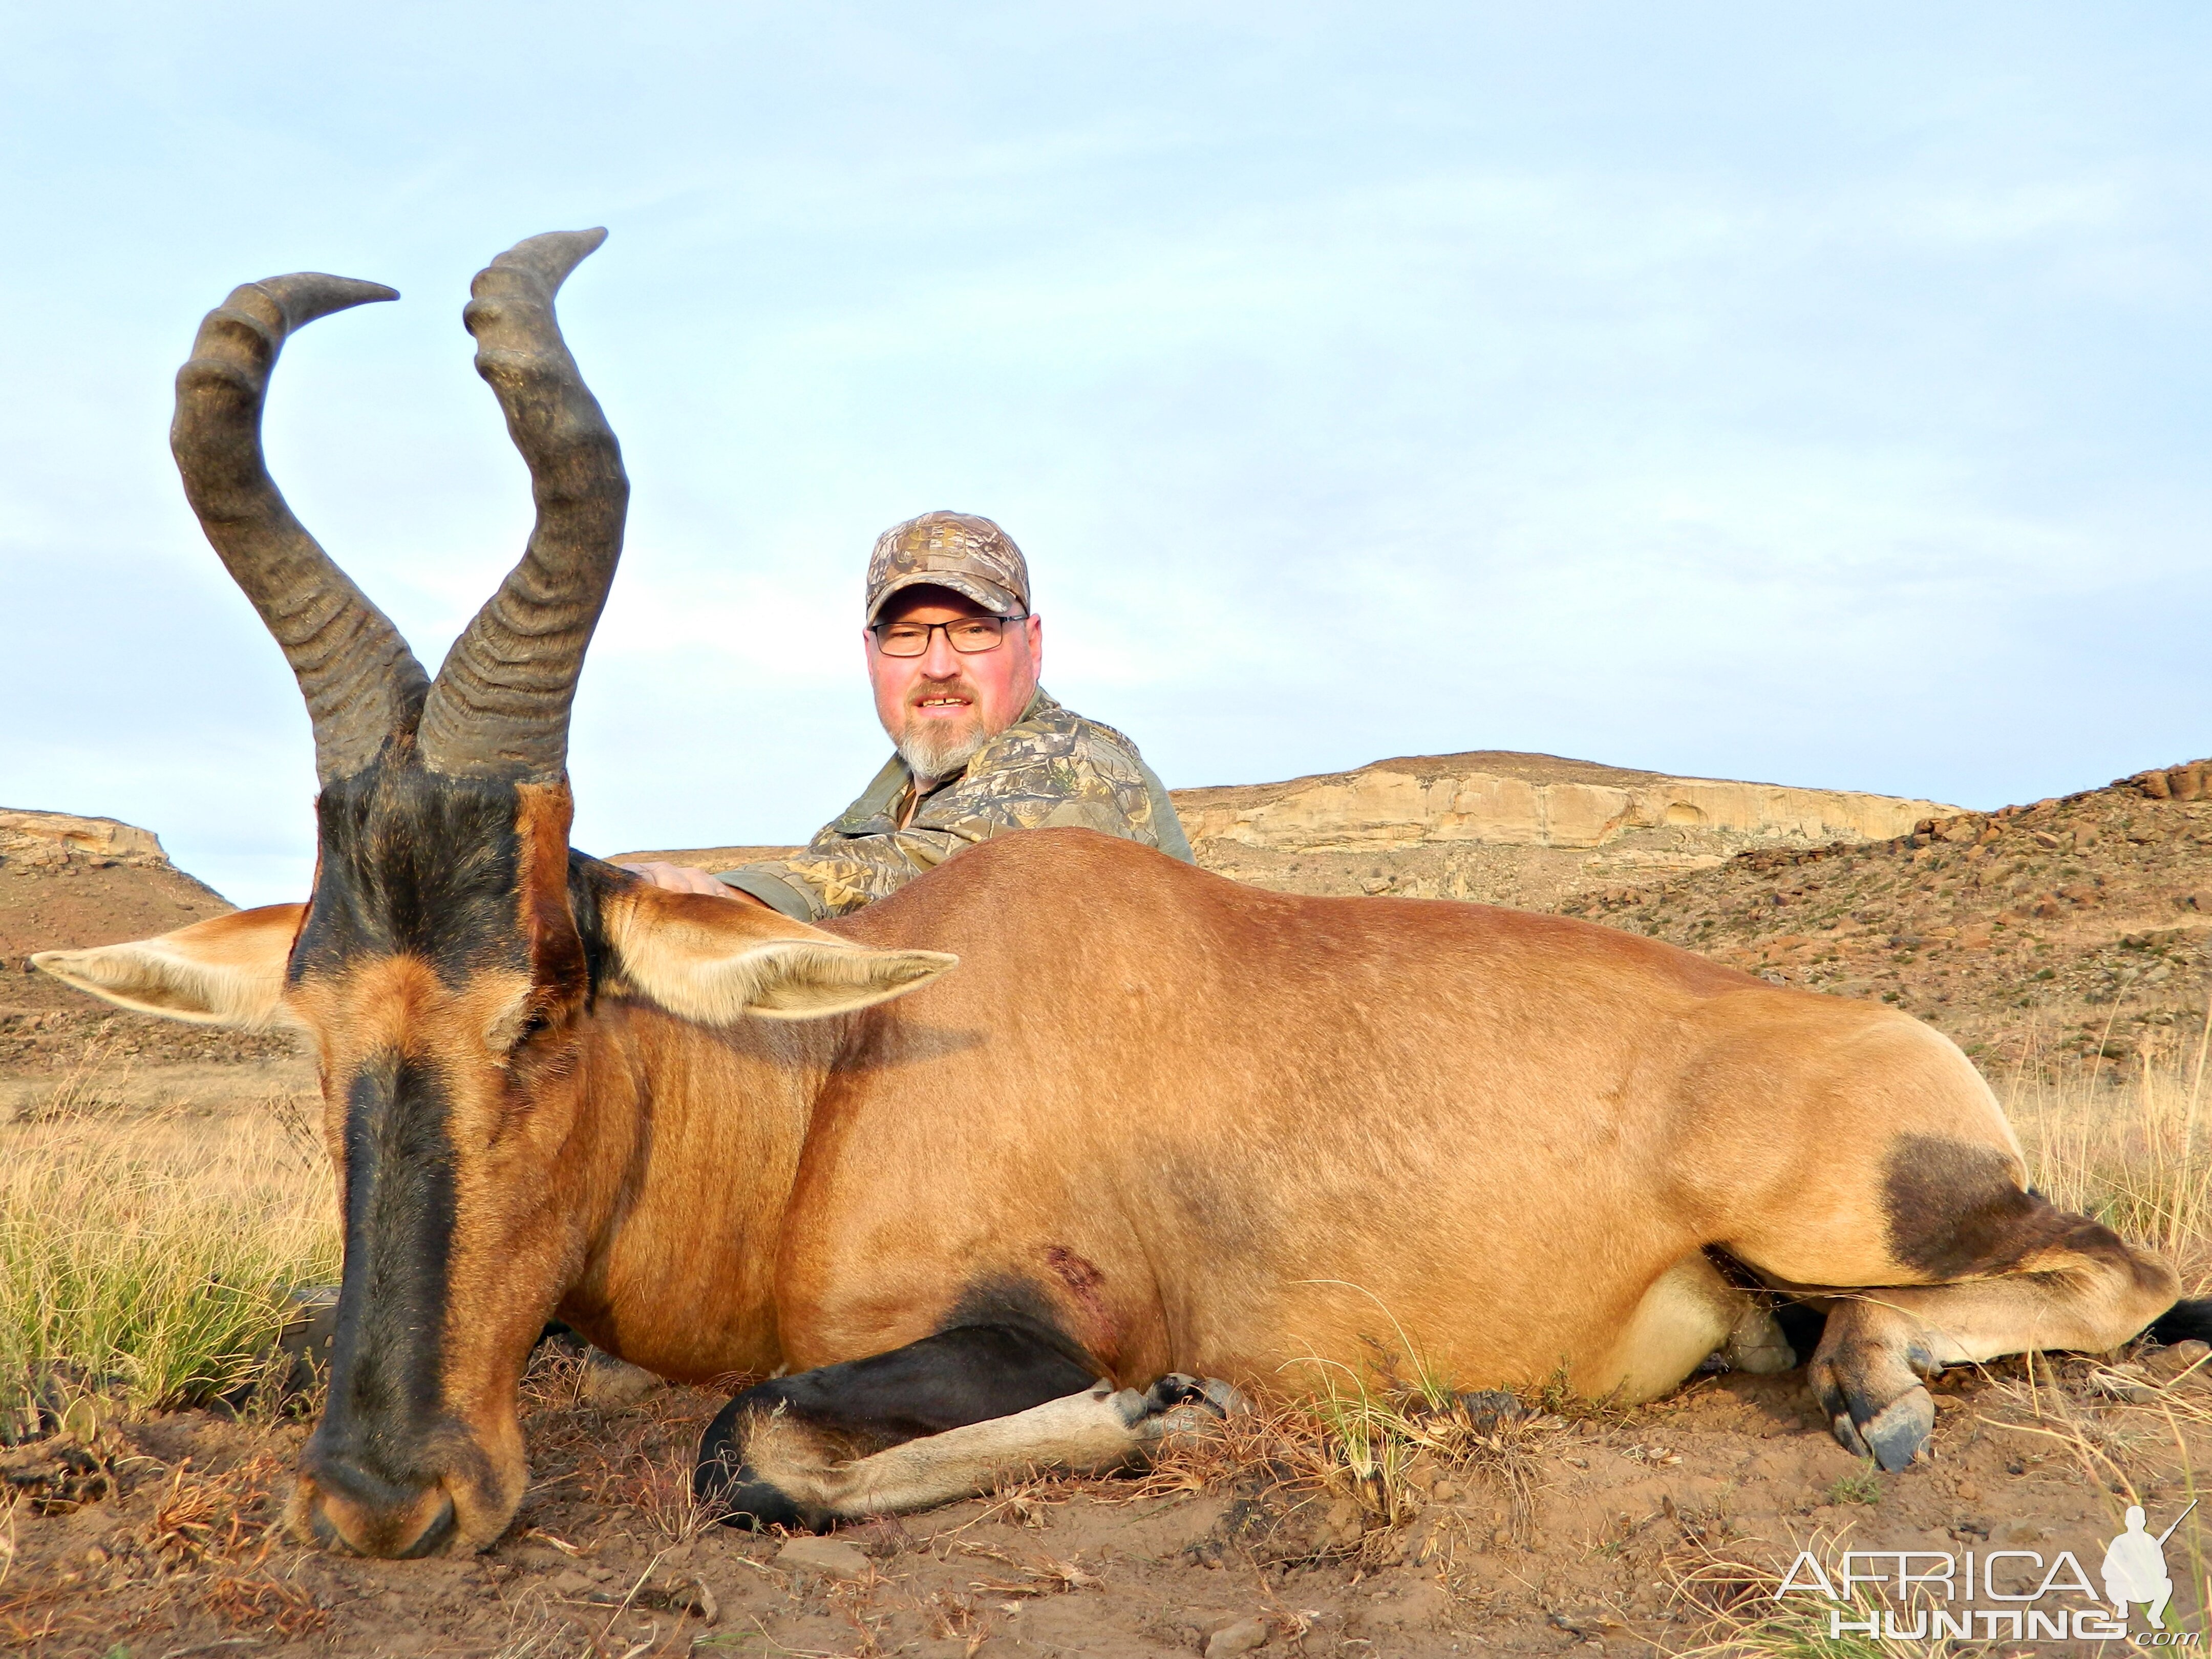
(941,707)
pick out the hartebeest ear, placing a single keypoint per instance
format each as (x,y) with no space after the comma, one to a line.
(227,971)
(716,960)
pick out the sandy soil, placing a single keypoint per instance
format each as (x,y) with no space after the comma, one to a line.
(1634,1530)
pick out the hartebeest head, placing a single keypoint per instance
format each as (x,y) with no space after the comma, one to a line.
(448,963)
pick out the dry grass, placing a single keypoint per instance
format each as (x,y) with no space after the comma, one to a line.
(146,1258)
(2137,1153)
(1754,1625)
(98,1079)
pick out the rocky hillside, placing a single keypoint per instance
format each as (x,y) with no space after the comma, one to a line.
(2077,927)
(73,881)
(1512,829)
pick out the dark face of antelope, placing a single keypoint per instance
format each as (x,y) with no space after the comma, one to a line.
(440,967)
(441,974)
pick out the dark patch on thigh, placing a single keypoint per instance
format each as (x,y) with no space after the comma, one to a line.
(1011,1302)
(1952,1210)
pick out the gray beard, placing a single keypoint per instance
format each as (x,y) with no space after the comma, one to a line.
(937,755)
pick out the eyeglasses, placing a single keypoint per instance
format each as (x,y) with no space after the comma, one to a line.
(966,635)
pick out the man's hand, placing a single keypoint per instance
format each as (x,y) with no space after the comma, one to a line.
(683,879)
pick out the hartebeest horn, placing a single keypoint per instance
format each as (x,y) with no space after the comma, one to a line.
(499,707)
(361,681)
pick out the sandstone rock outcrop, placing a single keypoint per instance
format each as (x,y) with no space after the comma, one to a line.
(39,839)
(66,881)
(1526,800)
(1512,827)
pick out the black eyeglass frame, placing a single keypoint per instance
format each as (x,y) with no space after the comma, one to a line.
(877,630)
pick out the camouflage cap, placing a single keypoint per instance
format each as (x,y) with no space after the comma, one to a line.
(970,554)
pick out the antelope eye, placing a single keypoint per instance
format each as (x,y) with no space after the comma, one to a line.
(512,1032)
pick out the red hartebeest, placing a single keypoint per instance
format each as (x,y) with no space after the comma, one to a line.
(1156,1123)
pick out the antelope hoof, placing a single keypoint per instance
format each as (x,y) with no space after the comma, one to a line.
(1181,1407)
(1899,1432)
(1894,1434)
(740,1497)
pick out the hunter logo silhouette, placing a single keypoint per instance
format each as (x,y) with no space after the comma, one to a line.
(2135,1567)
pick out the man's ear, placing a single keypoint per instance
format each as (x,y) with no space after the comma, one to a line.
(716,961)
(226,971)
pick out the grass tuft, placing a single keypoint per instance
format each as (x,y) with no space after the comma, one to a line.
(148,1262)
(1861,1485)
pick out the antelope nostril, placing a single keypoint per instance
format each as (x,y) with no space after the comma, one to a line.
(325,1531)
(434,1535)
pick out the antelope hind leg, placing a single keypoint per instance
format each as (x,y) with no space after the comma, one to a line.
(942,1418)
(2089,1293)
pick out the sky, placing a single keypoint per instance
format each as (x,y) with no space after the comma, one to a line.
(1812,395)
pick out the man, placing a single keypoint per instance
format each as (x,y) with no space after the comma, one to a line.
(953,653)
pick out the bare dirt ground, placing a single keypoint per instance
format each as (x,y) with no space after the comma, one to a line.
(1575,1528)
(1638,1531)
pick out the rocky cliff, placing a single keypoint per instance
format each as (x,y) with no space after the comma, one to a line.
(66,880)
(1512,828)
(50,840)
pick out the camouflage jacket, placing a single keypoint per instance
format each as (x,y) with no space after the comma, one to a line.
(1051,767)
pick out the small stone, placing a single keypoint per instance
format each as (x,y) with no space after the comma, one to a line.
(1344,1521)
(690,1595)
(1241,1636)
(1967,1491)
(2127,1383)
(827,1556)
(2169,1362)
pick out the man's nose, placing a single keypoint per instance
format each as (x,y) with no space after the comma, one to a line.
(940,661)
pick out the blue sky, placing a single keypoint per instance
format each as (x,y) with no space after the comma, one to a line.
(1744,390)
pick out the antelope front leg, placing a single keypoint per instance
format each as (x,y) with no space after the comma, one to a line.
(943,1418)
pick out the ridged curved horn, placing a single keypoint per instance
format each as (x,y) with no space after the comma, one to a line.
(499,708)
(361,681)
